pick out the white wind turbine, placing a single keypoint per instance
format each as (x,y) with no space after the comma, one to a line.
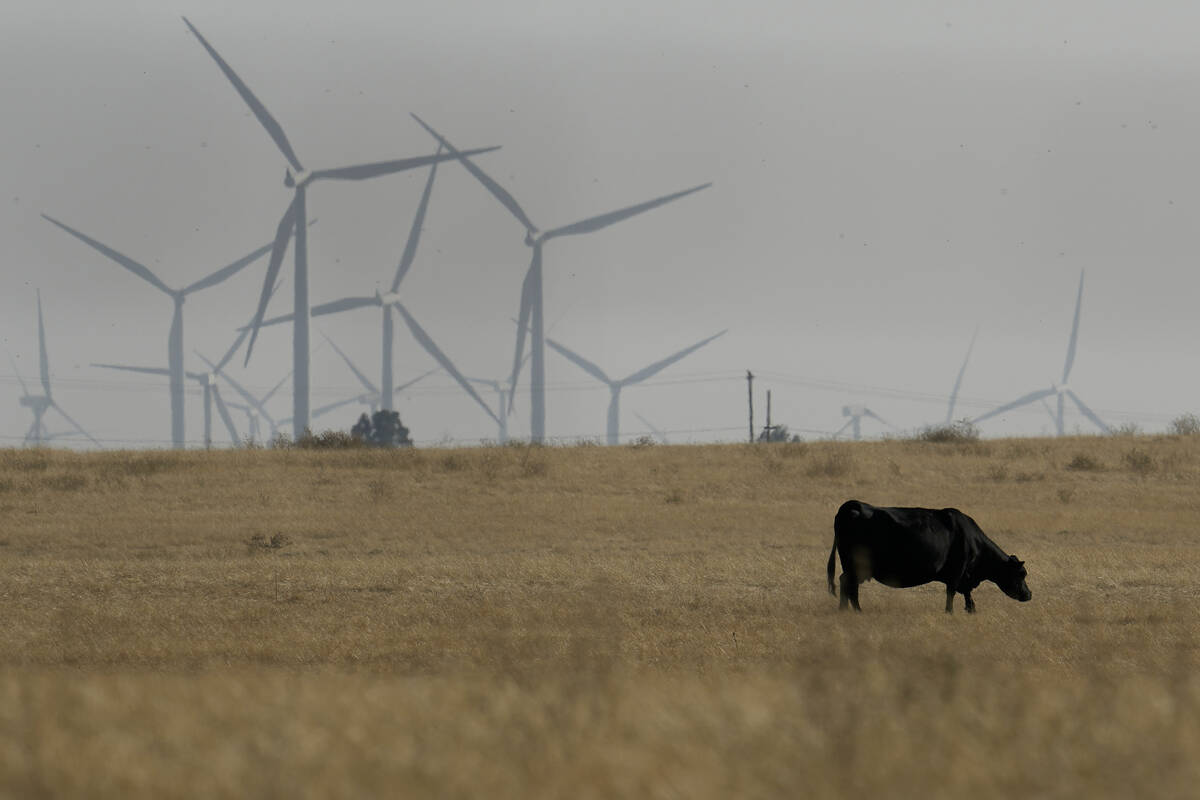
(207,381)
(175,370)
(298,178)
(39,404)
(532,314)
(615,386)
(856,415)
(1060,389)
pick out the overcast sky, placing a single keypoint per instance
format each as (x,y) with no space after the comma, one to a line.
(886,178)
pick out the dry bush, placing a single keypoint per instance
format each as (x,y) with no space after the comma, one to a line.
(1084,462)
(1184,425)
(633,622)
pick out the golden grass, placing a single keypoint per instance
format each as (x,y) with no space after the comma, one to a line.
(591,622)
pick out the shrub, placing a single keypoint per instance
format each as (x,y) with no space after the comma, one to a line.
(1184,425)
(1138,461)
(956,432)
(325,440)
(1082,462)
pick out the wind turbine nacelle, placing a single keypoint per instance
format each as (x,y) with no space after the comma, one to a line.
(854,411)
(1060,388)
(387,299)
(293,179)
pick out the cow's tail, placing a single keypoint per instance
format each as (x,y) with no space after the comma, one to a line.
(829,569)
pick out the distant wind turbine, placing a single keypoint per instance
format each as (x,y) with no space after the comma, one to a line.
(856,415)
(39,404)
(298,178)
(615,386)
(532,313)
(373,397)
(958,381)
(653,429)
(207,381)
(1060,389)
(174,371)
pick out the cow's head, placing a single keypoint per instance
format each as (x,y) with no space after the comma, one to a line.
(1011,579)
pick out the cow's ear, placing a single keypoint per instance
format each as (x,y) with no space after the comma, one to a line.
(1013,560)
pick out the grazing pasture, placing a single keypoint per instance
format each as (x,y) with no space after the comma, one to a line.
(638,621)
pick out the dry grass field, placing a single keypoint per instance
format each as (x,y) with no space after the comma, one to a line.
(591,622)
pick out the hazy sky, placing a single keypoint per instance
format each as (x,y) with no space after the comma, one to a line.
(887,177)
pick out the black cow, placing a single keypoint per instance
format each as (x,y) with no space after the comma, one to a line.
(902,547)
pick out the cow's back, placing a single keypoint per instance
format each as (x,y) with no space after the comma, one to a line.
(895,546)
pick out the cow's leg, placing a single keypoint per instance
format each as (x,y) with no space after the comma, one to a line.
(849,591)
(949,599)
(970,602)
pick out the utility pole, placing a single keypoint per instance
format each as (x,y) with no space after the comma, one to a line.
(769,430)
(750,387)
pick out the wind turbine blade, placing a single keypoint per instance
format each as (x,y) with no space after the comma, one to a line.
(1074,331)
(143,370)
(587,366)
(343,304)
(414,233)
(1049,410)
(237,387)
(527,290)
(75,424)
(225,416)
(612,217)
(43,358)
(958,381)
(196,376)
(274,389)
(24,389)
(498,191)
(282,234)
(423,339)
(420,377)
(361,172)
(868,412)
(272,126)
(1032,397)
(1087,412)
(332,307)
(658,366)
(358,373)
(125,261)
(652,427)
(842,429)
(231,270)
(362,398)
(220,365)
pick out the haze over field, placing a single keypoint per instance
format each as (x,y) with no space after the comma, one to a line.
(884,181)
